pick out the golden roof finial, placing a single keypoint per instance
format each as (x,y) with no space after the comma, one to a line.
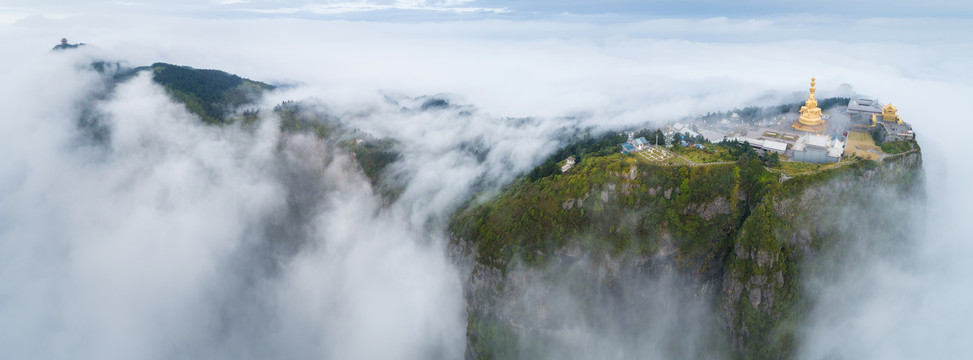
(812,84)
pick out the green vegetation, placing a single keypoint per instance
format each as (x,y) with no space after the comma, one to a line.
(585,147)
(654,137)
(211,94)
(771,254)
(878,135)
(533,217)
(601,208)
(491,338)
(774,160)
(708,154)
(891,147)
(896,147)
(373,155)
(294,118)
(793,168)
(676,141)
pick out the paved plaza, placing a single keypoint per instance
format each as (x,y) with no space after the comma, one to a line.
(656,154)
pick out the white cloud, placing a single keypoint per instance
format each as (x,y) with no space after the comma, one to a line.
(136,253)
(345,7)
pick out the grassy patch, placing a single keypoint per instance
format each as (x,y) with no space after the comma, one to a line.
(797,168)
(896,147)
(862,145)
(711,153)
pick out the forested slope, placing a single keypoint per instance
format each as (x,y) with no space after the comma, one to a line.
(737,237)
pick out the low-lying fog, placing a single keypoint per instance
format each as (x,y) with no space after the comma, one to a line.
(179,240)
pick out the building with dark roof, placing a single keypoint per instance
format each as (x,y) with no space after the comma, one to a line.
(862,112)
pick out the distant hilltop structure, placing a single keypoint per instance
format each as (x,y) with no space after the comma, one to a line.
(810,119)
(64,45)
(868,116)
(870,132)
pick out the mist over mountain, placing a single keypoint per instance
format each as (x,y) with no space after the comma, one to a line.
(195,193)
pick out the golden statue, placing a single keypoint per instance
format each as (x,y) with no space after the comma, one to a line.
(810,119)
(890,114)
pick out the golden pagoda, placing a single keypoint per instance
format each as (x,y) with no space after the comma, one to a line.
(810,119)
(890,114)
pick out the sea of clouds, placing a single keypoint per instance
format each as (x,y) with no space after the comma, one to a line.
(175,239)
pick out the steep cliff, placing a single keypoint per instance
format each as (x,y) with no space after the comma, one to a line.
(762,297)
(618,256)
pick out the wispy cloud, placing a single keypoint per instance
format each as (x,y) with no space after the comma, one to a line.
(339,7)
(145,250)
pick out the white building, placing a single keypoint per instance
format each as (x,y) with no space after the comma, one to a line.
(568,163)
(765,145)
(817,149)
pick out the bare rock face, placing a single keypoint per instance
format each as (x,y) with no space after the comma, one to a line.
(766,259)
(802,241)
(668,194)
(708,211)
(732,290)
(719,206)
(755,297)
(757,283)
(626,188)
(756,289)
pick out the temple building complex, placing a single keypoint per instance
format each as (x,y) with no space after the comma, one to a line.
(859,130)
(895,129)
(817,137)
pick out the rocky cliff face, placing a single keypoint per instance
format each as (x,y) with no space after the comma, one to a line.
(762,298)
(578,306)
(709,266)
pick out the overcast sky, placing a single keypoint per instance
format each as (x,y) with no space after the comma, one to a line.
(432,10)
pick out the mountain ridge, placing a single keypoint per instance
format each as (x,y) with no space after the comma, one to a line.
(734,234)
